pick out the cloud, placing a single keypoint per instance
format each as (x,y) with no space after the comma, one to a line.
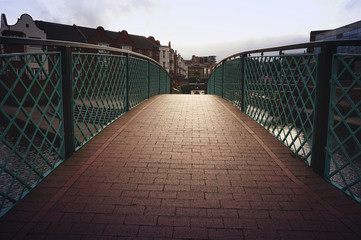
(92,13)
(228,48)
(352,4)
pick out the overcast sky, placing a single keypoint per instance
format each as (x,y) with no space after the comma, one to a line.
(198,27)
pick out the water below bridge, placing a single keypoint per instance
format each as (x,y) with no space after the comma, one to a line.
(184,167)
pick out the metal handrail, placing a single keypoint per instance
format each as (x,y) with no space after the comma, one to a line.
(58,43)
(307,45)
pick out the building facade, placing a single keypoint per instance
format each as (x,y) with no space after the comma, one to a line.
(26,27)
(349,32)
(201,66)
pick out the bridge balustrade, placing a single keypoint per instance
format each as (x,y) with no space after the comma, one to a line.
(310,101)
(55,96)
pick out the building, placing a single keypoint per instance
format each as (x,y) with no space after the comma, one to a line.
(149,46)
(164,57)
(201,67)
(27,27)
(182,69)
(173,63)
(349,32)
(199,71)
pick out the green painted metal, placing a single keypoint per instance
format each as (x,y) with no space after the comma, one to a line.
(31,131)
(218,75)
(280,95)
(154,80)
(138,84)
(32,138)
(163,86)
(99,93)
(343,166)
(210,85)
(279,92)
(232,82)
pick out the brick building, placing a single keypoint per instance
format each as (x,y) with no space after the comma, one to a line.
(149,46)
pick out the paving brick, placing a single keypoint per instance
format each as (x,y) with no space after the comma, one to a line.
(211,222)
(191,212)
(160,211)
(220,233)
(206,203)
(108,218)
(240,223)
(277,224)
(88,228)
(121,230)
(156,232)
(190,233)
(137,210)
(159,194)
(174,221)
(222,213)
(141,220)
(176,202)
(60,228)
(77,217)
(99,208)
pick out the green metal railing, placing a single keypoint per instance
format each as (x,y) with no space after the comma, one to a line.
(289,95)
(58,97)
(31,131)
(344,135)
(280,95)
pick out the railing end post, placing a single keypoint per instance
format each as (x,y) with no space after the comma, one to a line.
(321,112)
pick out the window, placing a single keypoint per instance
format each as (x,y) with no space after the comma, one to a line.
(163,53)
(139,51)
(126,47)
(17,71)
(41,74)
(16,58)
(163,64)
(103,45)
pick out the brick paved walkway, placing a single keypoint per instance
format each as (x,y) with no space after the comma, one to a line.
(183,166)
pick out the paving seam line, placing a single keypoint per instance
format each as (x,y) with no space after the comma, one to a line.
(30,225)
(299,183)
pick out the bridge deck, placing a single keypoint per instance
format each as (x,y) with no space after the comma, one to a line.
(184,166)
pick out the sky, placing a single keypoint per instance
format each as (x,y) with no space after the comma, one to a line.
(198,27)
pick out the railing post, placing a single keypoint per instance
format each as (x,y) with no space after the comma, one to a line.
(223,79)
(148,78)
(243,85)
(214,82)
(127,80)
(68,98)
(158,80)
(171,84)
(321,112)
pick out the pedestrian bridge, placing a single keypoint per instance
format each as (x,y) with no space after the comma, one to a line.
(97,148)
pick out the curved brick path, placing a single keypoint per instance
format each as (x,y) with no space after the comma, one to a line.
(183,166)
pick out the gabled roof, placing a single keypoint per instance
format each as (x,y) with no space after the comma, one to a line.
(113,35)
(85,31)
(74,33)
(142,42)
(55,31)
